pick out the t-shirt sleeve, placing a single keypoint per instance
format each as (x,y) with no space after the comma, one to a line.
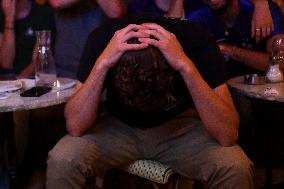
(1,22)
(95,44)
(212,66)
(89,56)
(202,49)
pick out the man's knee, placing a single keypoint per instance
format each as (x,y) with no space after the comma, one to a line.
(70,163)
(233,158)
(240,168)
(73,151)
(231,166)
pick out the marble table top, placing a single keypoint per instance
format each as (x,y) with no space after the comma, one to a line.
(58,95)
(267,91)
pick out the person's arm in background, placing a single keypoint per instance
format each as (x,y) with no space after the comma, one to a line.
(28,71)
(176,9)
(254,59)
(7,38)
(172,8)
(62,4)
(262,22)
(112,8)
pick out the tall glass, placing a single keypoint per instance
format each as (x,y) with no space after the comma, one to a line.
(45,73)
(278,50)
(274,73)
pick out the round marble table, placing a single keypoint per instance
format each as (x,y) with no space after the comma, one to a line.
(271,95)
(58,95)
(267,91)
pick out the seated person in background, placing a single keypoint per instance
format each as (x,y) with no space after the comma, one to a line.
(75,19)
(154,87)
(261,15)
(230,23)
(19,19)
(183,8)
(168,8)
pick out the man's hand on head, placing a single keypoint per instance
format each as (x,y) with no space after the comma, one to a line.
(167,43)
(118,45)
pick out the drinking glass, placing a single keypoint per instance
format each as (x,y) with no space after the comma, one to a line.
(278,50)
(45,73)
(274,73)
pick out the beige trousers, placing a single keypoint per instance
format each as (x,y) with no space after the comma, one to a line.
(182,143)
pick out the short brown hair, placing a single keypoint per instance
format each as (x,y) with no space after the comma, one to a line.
(143,79)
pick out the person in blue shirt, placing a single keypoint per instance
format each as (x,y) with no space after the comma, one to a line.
(74,20)
(183,9)
(230,23)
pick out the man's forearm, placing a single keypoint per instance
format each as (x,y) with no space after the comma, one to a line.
(82,108)
(113,8)
(257,1)
(176,9)
(8,47)
(61,4)
(215,107)
(253,59)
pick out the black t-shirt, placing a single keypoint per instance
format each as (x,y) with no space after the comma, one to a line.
(199,46)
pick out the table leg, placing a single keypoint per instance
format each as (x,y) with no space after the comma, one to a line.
(268,160)
(270,115)
(3,155)
(7,152)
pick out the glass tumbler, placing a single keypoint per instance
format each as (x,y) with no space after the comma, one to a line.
(45,73)
(274,73)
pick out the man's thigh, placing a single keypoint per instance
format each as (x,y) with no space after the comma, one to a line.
(193,153)
(109,144)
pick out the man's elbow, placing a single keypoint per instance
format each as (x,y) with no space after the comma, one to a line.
(229,141)
(72,126)
(6,67)
(73,130)
(117,13)
(57,4)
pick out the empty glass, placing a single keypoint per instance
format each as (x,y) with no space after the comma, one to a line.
(274,73)
(45,73)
